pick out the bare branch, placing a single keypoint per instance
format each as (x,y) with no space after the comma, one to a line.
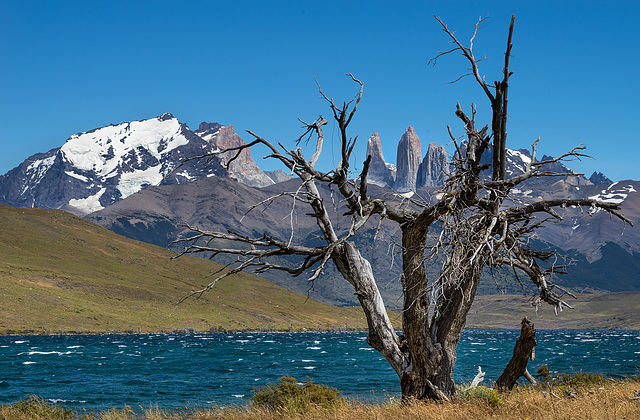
(468,54)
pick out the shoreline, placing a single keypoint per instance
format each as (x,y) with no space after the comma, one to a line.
(191,331)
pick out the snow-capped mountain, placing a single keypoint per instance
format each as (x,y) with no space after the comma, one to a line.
(516,164)
(95,169)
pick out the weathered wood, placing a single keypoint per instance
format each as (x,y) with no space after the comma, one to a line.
(478,379)
(522,352)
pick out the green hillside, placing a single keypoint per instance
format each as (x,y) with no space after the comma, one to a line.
(60,273)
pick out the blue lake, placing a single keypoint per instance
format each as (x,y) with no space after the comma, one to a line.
(200,370)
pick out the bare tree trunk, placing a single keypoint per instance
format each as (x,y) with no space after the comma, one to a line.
(382,336)
(522,352)
(432,345)
(426,352)
(450,315)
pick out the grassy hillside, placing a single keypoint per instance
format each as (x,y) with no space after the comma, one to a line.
(590,311)
(61,273)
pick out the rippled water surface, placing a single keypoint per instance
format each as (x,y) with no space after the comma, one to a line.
(176,371)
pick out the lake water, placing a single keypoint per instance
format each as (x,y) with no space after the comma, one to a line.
(200,370)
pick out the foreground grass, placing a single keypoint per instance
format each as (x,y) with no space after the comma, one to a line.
(591,400)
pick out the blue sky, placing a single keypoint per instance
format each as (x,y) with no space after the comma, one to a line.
(71,66)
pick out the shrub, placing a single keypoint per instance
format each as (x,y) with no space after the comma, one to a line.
(38,408)
(544,374)
(580,379)
(482,394)
(293,397)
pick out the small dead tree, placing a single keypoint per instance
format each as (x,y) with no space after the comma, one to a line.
(522,352)
(474,230)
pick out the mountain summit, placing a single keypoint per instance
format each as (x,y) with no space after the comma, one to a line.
(97,168)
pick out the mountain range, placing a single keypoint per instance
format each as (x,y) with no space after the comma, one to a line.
(131,178)
(97,168)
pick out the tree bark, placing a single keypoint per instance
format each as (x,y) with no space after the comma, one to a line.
(382,336)
(522,352)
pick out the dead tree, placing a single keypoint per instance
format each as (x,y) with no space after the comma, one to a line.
(472,226)
(522,352)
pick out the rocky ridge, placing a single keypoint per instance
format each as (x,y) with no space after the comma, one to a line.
(239,165)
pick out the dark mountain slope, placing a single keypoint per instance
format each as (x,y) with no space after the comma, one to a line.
(159,214)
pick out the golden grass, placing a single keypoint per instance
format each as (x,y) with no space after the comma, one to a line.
(608,401)
(59,273)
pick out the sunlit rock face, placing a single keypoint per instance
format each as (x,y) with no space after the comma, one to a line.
(380,173)
(241,167)
(408,161)
(434,168)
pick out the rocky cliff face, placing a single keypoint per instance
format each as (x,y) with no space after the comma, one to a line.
(434,169)
(408,161)
(243,167)
(380,173)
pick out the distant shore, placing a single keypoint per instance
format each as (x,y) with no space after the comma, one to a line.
(188,331)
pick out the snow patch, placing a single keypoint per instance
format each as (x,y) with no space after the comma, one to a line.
(210,136)
(519,159)
(613,195)
(38,169)
(407,194)
(77,176)
(525,193)
(89,204)
(132,182)
(185,175)
(42,164)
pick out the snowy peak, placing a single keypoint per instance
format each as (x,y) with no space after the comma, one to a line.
(125,147)
(122,159)
(97,168)
(517,162)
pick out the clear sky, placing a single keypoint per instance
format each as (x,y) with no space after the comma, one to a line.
(71,66)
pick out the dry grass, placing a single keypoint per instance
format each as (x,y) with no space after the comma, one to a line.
(61,273)
(608,401)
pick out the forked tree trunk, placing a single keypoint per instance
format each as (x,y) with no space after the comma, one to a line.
(432,346)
